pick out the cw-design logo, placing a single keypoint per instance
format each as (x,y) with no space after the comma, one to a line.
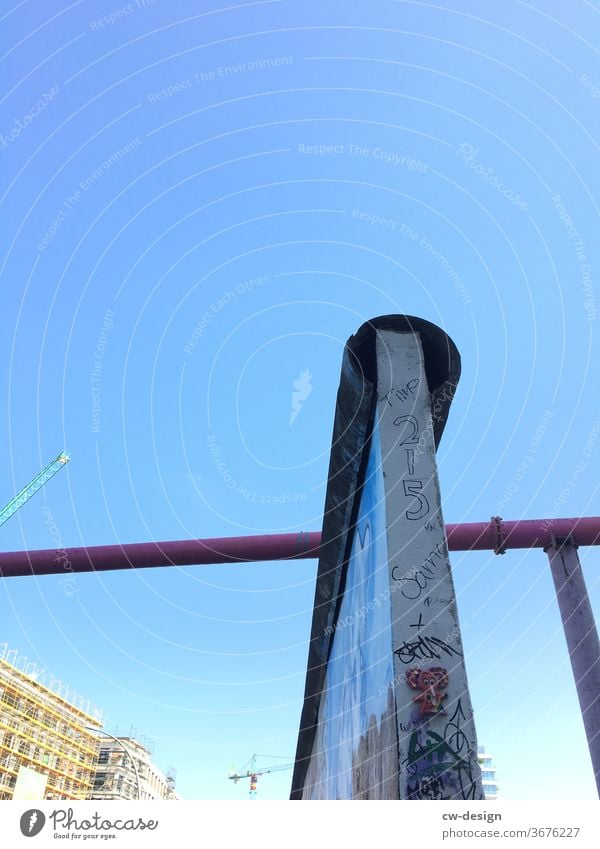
(32,822)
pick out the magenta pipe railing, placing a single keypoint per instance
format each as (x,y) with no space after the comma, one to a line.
(499,535)
(139,555)
(496,535)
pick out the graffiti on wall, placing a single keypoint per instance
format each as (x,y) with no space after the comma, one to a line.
(438,762)
(438,750)
(432,685)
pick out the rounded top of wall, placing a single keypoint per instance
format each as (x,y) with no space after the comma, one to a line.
(441,359)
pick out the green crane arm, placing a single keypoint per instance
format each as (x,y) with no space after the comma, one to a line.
(32,487)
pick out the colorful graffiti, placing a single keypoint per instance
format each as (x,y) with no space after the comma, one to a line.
(432,684)
(438,757)
(438,765)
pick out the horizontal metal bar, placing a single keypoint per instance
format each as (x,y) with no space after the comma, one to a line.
(496,535)
(138,555)
(499,535)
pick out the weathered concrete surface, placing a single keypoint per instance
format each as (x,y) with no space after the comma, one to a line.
(349,729)
(436,731)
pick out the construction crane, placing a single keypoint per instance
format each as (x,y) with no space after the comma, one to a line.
(252,772)
(32,487)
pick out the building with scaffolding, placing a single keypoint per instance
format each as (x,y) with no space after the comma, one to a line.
(48,745)
(126,771)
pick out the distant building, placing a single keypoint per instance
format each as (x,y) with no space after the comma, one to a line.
(488,774)
(126,771)
(47,750)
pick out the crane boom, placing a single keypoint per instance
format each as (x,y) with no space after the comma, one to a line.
(32,487)
(252,773)
(249,773)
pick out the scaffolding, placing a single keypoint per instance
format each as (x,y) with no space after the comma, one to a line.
(47,729)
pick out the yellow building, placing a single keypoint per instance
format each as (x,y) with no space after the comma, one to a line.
(48,749)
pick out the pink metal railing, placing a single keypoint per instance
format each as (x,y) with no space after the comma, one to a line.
(496,535)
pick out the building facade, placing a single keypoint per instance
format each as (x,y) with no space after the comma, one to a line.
(48,748)
(488,774)
(126,771)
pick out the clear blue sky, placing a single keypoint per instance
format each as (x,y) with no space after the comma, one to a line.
(158,156)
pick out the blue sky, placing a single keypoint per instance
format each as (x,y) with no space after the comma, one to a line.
(202,202)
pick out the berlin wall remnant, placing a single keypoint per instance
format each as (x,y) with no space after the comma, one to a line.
(387,713)
(436,733)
